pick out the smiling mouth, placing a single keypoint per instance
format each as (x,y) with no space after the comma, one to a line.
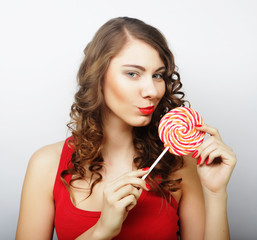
(147,110)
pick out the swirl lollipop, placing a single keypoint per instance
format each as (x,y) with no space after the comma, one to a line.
(177,132)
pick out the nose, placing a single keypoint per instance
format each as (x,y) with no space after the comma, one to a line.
(149,88)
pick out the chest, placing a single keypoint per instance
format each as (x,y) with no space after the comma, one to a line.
(152,218)
(80,192)
(82,199)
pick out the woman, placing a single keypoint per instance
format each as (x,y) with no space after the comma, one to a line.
(90,186)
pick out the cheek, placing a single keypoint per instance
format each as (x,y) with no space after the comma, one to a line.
(162,89)
(114,90)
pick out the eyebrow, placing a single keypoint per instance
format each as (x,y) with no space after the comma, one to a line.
(142,68)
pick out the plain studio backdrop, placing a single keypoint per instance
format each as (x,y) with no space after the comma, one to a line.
(42,42)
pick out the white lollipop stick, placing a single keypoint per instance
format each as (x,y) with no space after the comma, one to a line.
(155,162)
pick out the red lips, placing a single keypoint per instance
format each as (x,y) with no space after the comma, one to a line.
(147,110)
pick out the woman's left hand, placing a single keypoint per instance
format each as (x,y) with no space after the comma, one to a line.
(216,161)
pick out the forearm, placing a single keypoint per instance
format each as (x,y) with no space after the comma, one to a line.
(216,222)
(95,233)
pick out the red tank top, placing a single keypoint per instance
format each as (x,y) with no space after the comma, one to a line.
(152,218)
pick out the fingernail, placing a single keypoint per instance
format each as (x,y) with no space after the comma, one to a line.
(146,169)
(148,186)
(207,161)
(194,154)
(199,160)
(198,125)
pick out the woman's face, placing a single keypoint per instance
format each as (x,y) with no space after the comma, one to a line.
(133,84)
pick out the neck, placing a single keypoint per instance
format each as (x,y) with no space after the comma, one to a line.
(118,148)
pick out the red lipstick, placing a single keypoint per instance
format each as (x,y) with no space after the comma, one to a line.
(147,110)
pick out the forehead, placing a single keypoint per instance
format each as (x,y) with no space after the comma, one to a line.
(138,52)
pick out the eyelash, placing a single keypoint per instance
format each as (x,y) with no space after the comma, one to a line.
(130,74)
(160,76)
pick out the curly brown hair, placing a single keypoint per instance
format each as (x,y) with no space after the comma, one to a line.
(86,119)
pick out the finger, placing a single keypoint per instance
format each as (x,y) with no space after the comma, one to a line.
(131,206)
(205,145)
(127,203)
(127,190)
(214,155)
(114,198)
(224,154)
(205,153)
(137,173)
(210,130)
(126,180)
(209,147)
(215,152)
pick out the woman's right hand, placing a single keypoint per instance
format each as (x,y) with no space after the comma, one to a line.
(119,197)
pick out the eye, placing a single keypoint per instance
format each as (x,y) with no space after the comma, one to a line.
(132,74)
(158,76)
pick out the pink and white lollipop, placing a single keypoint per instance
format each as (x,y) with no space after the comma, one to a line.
(178,133)
(177,130)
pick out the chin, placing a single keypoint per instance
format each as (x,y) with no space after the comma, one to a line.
(142,123)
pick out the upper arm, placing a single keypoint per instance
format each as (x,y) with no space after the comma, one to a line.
(36,219)
(191,206)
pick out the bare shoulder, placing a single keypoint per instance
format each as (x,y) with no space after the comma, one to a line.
(189,169)
(191,201)
(44,163)
(36,218)
(188,173)
(48,155)
(189,176)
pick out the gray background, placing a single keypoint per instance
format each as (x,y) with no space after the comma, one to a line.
(214,43)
